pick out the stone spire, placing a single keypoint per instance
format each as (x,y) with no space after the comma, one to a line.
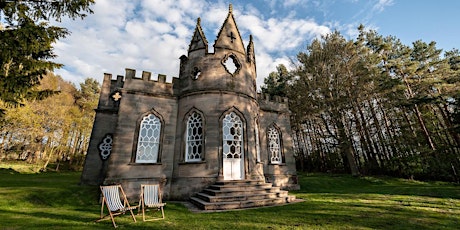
(229,36)
(198,40)
(251,56)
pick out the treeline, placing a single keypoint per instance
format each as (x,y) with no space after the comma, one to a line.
(373,105)
(54,130)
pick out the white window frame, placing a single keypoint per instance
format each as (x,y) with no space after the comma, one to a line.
(194,138)
(148,143)
(232,120)
(274,145)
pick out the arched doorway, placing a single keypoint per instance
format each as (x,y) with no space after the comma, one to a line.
(233,147)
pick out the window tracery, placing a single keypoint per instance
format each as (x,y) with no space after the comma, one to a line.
(194,139)
(232,131)
(149,140)
(274,146)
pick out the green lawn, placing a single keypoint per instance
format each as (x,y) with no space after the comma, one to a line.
(55,201)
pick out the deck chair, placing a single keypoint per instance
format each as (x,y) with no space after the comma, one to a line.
(151,198)
(116,204)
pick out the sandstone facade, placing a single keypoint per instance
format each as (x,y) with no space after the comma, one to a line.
(207,125)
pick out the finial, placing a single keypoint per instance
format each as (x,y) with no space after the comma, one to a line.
(198,21)
(250,38)
(230,8)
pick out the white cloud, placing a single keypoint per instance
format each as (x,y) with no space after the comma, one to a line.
(278,35)
(294,3)
(381,4)
(151,35)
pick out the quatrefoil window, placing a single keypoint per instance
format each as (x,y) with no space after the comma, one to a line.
(231,64)
(105,147)
(196,73)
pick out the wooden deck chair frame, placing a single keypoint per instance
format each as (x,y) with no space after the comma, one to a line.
(151,197)
(113,201)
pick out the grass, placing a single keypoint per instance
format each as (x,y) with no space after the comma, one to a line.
(55,201)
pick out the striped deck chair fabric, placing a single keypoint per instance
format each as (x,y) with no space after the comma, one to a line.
(115,203)
(151,197)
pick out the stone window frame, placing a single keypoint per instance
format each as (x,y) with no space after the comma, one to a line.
(257,139)
(196,73)
(136,137)
(105,146)
(185,136)
(236,62)
(280,138)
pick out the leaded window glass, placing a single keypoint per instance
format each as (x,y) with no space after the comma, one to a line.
(149,140)
(232,129)
(194,149)
(274,146)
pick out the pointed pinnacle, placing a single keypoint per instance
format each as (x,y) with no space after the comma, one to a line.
(230,8)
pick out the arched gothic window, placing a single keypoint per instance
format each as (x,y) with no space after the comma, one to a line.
(194,139)
(274,146)
(148,143)
(232,130)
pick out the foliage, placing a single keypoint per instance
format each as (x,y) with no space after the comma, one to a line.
(56,201)
(335,73)
(41,134)
(276,84)
(375,106)
(26,39)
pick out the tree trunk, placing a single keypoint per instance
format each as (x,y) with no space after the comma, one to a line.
(420,119)
(345,145)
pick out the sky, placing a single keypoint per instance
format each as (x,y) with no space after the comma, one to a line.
(151,35)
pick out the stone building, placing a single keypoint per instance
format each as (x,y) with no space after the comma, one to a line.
(207,125)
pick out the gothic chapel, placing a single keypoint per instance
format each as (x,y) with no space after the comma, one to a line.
(207,127)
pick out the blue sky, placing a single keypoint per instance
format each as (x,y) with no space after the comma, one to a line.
(151,35)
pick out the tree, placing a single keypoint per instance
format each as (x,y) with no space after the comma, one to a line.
(88,95)
(276,84)
(42,134)
(331,77)
(26,39)
(376,106)
(451,91)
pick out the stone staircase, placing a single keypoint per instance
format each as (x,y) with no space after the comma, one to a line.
(240,194)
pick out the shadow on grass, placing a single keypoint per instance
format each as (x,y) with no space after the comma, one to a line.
(346,184)
(7,171)
(339,211)
(72,219)
(56,201)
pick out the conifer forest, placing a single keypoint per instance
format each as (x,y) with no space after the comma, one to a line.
(374,106)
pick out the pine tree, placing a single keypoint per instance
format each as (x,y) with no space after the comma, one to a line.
(26,39)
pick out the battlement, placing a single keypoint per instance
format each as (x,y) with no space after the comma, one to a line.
(131,84)
(147,76)
(131,75)
(145,84)
(276,103)
(276,99)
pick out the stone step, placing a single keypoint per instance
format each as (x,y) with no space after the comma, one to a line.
(238,204)
(233,197)
(240,182)
(226,195)
(214,192)
(239,187)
